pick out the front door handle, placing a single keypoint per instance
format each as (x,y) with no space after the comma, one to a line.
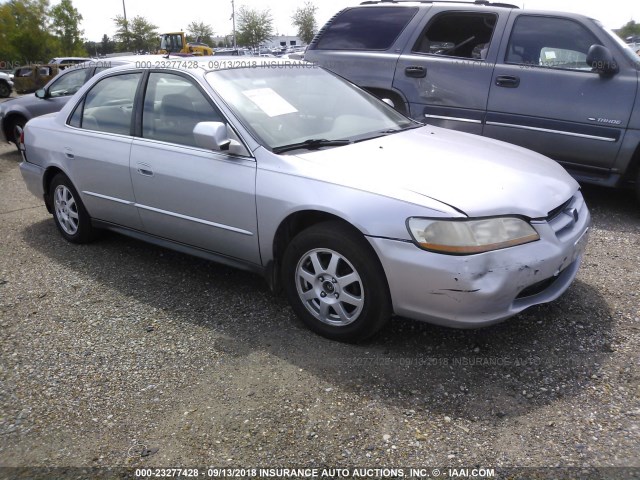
(144,169)
(507,81)
(415,71)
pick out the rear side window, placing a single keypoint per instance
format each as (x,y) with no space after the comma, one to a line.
(458,34)
(365,28)
(108,106)
(550,42)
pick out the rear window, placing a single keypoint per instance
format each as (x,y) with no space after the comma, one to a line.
(365,28)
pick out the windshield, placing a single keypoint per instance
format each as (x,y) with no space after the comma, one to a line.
(630,54)
(296,103)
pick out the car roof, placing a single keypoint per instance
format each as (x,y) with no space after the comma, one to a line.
(204,63)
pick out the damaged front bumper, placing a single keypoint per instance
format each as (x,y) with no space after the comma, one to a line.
(478,290)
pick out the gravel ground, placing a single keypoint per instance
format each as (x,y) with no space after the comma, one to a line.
(119,344)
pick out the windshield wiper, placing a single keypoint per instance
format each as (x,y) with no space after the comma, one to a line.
(311,144)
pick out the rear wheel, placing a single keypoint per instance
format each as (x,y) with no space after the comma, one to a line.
(335,283)
(69,213)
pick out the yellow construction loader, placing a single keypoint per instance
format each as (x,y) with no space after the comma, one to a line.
(176,43)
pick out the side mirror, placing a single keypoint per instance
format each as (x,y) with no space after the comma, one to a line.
(41,93)
(601,60)
(215,136)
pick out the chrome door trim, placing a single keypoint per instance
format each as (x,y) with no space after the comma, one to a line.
(172,214)
(457,119)
(547,130)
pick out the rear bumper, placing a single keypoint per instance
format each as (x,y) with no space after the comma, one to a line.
(33,177)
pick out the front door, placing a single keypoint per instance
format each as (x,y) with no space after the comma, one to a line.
(185,193)
(545,97)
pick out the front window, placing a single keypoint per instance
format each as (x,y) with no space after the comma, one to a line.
(550,42)
(68,84)
(173,105)
(288,104)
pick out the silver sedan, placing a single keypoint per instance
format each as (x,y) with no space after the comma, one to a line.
(285,169)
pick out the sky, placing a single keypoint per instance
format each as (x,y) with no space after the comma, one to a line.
(172,16)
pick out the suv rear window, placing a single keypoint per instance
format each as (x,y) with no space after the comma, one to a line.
(365,28)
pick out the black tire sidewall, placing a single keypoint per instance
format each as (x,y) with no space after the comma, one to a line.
(5,85)
(85,231)
(354,248)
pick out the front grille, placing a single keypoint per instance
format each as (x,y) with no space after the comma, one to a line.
(558,210)
(563,218)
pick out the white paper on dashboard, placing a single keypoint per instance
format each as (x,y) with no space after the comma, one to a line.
(269,101)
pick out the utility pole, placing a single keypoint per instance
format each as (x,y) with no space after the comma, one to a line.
(126,25)
(233,17)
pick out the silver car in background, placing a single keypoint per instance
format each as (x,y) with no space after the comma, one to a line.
(285,169)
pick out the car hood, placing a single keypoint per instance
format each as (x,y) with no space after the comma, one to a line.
(27,99)
(475,175)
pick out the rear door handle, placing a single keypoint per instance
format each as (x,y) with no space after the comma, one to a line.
(144,169)
(68,153)
(414,71)
(507,81)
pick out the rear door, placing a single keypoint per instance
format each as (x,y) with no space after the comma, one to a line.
(446,72)
(545,97)
(98,148)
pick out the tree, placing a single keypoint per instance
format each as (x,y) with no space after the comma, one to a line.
(107,45)
(254,27)
(65,23)
(123,33)
(200,29)
(629,29)
(304,19)
(137,35)
(24,31)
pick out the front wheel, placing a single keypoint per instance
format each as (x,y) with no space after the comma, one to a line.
(335,283)
(69,213)
(5,90)
(16,131)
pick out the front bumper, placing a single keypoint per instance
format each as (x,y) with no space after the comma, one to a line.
(479,290)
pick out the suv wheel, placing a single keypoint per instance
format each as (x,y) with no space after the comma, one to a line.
(5,89)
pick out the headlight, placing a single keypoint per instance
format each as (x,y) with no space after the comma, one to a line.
(465,237)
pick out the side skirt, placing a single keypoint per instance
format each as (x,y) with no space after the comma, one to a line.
(181,247)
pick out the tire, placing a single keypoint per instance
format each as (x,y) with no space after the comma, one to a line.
(638,186)
(16,130)
(69,213)
(335,283)
(5,90)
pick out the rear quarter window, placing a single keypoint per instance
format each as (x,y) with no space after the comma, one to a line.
(365,28)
